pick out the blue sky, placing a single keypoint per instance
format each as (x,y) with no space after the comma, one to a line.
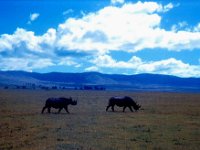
(108,36)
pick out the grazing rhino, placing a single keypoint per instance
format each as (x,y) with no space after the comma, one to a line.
(122,102)
(58,103)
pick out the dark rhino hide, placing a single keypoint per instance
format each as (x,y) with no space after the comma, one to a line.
(122,102)
(58,103)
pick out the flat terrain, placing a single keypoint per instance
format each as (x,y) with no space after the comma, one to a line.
(168,121)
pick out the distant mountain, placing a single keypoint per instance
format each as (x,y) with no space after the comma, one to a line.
(152,82)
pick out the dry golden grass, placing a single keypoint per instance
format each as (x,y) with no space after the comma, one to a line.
(168,121)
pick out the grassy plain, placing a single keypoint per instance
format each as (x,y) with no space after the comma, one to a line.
(168,121)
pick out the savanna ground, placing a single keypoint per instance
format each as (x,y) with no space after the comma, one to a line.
(169,121)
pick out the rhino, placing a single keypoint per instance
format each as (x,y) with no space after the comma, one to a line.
(124,102)
(58,103)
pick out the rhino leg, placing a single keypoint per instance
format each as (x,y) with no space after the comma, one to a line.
(124,108)
(130,108)
(66,109)
(59,110)
(43,109)
(107,107)
(49,109)
(113,108)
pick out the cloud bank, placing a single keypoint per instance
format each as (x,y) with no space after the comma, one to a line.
(169,66)
(94,35)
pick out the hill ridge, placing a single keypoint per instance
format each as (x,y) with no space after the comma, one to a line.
(143,81)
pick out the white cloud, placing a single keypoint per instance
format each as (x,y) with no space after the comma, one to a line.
(117,1)
(27,40)
(68,61)
(107,61)
(136,27)
(131,21)
(30,63)
(180,26)
(169,66)
(33,17)
(27,64)
(68,11)
(92,68)
(197,28)
(49,38)
(168,7)
(20,38)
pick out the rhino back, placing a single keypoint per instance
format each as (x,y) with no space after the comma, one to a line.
(55,103)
